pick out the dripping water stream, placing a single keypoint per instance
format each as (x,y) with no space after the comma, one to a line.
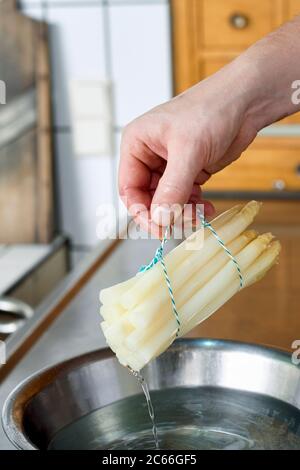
(145,388)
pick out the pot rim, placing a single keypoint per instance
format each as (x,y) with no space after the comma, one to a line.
(16,400)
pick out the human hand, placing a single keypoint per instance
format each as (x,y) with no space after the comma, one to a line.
(169,152)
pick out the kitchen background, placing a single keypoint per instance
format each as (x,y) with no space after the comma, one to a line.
(120,49)
(109,61)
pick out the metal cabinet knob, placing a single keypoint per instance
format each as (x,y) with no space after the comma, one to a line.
(279,185)
(239,21)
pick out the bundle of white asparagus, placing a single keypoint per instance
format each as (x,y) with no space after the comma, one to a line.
(139,323)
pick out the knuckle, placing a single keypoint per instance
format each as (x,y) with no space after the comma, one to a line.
(127,133)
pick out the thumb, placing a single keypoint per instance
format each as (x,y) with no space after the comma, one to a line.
(173,191)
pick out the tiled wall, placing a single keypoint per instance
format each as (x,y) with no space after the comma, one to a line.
(126,42)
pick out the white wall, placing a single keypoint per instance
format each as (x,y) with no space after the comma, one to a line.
(125,42)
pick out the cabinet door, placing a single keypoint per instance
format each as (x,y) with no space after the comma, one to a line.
(206,29)
(235,23)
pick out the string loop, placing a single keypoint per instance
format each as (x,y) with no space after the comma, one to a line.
(159,258)
(227,251)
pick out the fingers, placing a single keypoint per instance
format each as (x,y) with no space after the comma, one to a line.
(143,218)
(146,180)
(174,189)
(202,177)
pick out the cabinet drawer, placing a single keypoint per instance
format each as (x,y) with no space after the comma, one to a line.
(235,23)
(261,168)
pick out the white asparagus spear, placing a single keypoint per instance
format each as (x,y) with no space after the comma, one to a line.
(207,294)
(254,273)
(118,331)
(263,264)
(136,346)
(126,358)
(110,341)
(136,339)
(156,319)
(173,259)
(189,259)
(112,312)
(111,295)
(146,313)
(229,272)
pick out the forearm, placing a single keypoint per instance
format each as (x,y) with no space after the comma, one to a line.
(257,86)
(171,150)
(270,67)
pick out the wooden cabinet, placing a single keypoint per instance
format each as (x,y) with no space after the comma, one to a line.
(269,164)
(234,23)
(207,34)
(267,312)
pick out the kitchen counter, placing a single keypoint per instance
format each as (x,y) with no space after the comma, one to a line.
(19,264)
(77,330)
(17,260)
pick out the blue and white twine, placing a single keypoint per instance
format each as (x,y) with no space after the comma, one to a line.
(227,251)
(159,257)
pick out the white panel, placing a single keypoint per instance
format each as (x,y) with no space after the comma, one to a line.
(141,58)
(71,2)
(77,51)
(91,137)
(91,117)
(83,184)
(91,99)
(33,10)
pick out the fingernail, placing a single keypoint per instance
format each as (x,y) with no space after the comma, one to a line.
(162,216)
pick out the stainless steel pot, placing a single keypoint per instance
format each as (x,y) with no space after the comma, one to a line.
(225,394)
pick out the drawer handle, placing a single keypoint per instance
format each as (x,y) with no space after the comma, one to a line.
(297,169)
(239,20)
(279,185)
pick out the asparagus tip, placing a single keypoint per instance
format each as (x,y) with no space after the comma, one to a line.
(250,234)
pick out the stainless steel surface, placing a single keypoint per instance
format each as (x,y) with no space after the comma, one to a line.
(13,314)
(15,341)
(18,116)
(76,330)
(50,400)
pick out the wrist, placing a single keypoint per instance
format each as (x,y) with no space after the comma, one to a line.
(268,76)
